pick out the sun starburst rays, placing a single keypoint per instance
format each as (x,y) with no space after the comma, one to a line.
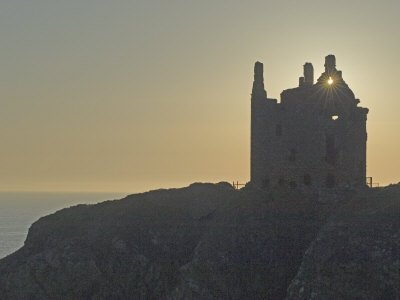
(331,96)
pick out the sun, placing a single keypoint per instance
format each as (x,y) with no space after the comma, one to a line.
(330,81)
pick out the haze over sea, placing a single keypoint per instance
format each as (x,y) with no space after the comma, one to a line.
(18,210)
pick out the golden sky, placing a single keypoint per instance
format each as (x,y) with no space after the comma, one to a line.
(126,96)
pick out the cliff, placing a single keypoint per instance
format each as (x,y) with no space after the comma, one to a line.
(210,241)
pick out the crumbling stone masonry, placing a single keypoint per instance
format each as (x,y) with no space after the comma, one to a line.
(315,138)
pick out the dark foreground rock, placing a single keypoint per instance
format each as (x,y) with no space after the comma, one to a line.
(356,255)
(212,242)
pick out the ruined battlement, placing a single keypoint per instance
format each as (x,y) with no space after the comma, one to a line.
(314,138)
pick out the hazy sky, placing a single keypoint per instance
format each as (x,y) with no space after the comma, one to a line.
(100,95)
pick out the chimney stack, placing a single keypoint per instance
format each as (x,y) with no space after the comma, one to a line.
(308,74)
(258,84)
(330,64)
(301,81)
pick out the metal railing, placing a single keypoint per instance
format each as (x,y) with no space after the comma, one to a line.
(370,182)
(236,185)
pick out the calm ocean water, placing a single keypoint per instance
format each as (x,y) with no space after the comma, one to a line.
(19,210)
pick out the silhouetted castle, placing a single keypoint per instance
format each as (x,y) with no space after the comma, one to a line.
(314,138)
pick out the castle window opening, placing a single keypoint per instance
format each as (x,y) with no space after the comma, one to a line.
(307,180)
(330,149)
(293,185)
(281,181)
(278,130)
(292,156)
(265,183)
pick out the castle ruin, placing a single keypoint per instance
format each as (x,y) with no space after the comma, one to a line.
(314,138)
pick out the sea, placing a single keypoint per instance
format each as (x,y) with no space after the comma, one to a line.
(19,210)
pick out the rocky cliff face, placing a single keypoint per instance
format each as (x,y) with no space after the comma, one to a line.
(212,242)
(356,254)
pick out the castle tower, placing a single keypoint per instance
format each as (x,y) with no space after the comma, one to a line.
(261,107)
(315,138)
(258,83)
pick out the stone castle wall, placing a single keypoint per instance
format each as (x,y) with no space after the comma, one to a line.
(297,143)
